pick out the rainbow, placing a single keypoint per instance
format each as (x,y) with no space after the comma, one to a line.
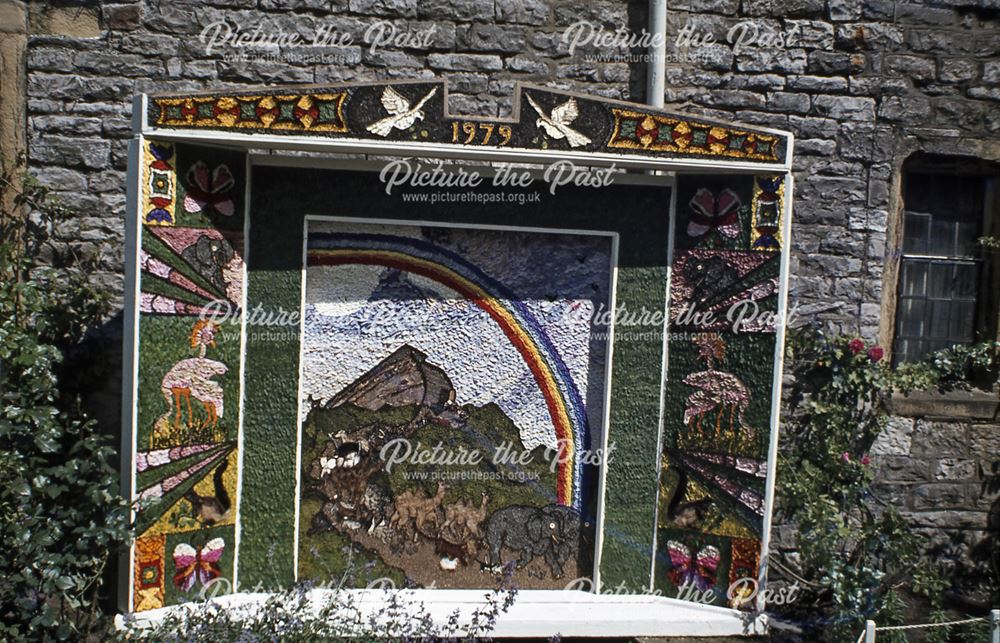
(518,323)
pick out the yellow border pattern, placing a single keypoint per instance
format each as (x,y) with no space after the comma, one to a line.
(755,206)
(159,185)
(684,137)
(289,112)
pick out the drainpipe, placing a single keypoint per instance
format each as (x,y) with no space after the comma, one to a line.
(657,52)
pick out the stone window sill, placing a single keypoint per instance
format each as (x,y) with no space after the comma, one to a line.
(976,404)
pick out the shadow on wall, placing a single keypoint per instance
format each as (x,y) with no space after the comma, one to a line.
(93,371)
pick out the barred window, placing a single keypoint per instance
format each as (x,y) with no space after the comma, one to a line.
(942,298)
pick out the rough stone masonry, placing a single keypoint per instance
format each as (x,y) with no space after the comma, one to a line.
(861,83)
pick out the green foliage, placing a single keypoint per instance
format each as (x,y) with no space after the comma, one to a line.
(308,614)
(855,552)
(991,243)
(61,518)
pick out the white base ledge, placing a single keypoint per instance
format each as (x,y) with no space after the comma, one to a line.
(535,613)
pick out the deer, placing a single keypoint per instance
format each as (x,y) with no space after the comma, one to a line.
(415,505)
(465,516)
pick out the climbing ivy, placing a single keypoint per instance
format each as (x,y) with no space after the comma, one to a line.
(61,519)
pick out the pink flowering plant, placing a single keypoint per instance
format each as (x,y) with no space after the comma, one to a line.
(854,552)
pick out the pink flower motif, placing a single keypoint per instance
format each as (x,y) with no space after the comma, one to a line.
(875,353)
(845,456)
(856,345)
(865,460)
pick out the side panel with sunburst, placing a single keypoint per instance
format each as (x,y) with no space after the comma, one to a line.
(188,389)
(718,393)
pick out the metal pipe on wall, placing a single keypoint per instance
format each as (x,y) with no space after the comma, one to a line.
(655,82)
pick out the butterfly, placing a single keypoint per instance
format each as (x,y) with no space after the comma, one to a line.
(714,213)
(209,189)
(685,571)
(199,565)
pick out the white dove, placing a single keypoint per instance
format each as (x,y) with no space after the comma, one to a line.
(401,115)
(557,125)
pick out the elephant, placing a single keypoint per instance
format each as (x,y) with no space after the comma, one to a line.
(552,532)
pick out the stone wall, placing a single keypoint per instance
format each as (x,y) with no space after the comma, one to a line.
(931,469)
(861,83)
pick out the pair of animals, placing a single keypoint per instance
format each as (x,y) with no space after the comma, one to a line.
(461,520)
(552,532)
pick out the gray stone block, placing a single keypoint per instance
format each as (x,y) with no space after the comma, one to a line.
(789,61)
(991,72)
(789,102)
(842,10)
(817,84)
(389,8)
(60,178)
(785,8)
(70,152)
(735,98)
(74,125)
(50,59)
(891,468)
(472,105)
(384,58)
(908,109)
(939,41)
(463,10)
(611,14)
(530,12)
(915,67)
(923,15)
(939,496)
(468,83)
(755,82)
(265,72)
(481,37)
(465,62)
(829,63)
(868,36)
(956,469)
(984,441)
(878,86)
(75,88)
(526,64)
(809,34)
(845,108)
(815,147)
(877,9)
(120,17)
(725,7)
(991,93)
(961,113)
(940,439)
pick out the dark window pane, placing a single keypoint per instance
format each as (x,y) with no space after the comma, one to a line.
(939,317)
(914,281)
(942,275)
(942,218)
(963,321)
(967,238)
(942,241)
(967,280)
(915,230)
(944,214)
(911,317)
